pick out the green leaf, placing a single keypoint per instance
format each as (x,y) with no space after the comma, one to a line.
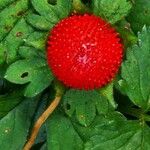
(15,39)
(32,71)
(114,132)
(2,54)
(111,10)
(30,52)
(14,127)
(10,15)
(13,28)
(49,14)
(5,3)
(39,22)
(140,14)
(9,101)
(136,71)
(85,104)
(37,40)
(62,135)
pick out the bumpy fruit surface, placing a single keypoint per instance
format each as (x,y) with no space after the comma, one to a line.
(84,52)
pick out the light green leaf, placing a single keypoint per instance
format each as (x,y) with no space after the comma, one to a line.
(111,10)
(140,14)
(49,14)
(85,104)
(62,135)
(136,71)
(32,71)
(14,127)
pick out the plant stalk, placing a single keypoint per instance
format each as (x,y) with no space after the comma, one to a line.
(40,122)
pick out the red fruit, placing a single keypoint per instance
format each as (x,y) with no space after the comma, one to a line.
(84,52)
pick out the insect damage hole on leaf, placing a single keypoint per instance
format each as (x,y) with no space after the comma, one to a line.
(52,2)
(68,106)
(25,74)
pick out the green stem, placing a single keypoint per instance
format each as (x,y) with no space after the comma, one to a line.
(138,113)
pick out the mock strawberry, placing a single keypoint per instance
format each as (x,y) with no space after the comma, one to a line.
(84,51)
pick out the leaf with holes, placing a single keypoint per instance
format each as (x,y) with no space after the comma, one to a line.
(32,71)
(13,28)
(85,104)
(111,10)
(136,71)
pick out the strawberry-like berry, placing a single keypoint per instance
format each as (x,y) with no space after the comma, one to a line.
(84,51)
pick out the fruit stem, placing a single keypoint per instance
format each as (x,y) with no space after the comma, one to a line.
(138,113)
(40,122)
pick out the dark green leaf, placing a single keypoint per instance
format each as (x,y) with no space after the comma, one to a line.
(62,135)
(9,101)
(140,14)
(85,104)
(14,127)
(136,71)
(114,132)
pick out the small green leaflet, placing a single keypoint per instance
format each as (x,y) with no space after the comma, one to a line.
(136,71)
(62,135)
(85,104)
(14,127)
(37,40)
(49,14)
(107,92)
(30,52)
(33,71)
(111,10)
